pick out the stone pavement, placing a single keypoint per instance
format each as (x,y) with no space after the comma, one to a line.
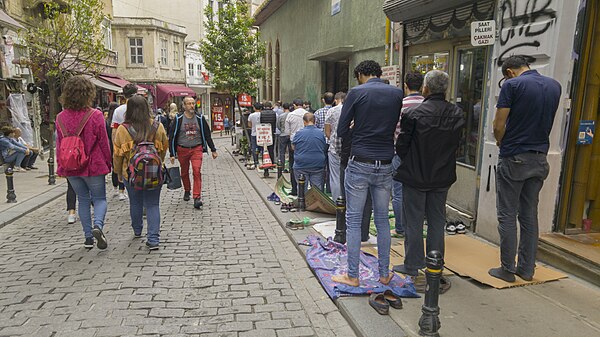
(226,270)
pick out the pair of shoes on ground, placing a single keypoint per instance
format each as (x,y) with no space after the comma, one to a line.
(101,242)
(419,281)
(507,276)
(275,198)
(455,227)
(288,207)
(382,302)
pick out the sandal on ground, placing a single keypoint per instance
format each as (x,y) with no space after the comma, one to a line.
(393,300)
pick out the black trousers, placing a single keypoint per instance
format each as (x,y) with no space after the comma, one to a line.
(71,197)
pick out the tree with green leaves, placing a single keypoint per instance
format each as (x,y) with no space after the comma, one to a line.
(231,49)
(65,39)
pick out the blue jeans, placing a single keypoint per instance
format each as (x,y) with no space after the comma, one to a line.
(519,180)
(362,179)
(16,158)
(397,203)
(313,176)
(253,147)
(138,200)
(88,190)
(334,175)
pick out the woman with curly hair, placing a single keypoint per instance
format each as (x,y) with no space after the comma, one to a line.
(139,127)
(88,179)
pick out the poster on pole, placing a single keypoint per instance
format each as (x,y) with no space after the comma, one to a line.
(264,136)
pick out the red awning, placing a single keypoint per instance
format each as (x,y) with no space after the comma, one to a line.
(166,91)
(119,82)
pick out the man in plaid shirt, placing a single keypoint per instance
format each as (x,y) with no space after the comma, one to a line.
(320,114)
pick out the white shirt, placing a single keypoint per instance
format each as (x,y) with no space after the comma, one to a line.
(118,116)
(254,118)
(294,122)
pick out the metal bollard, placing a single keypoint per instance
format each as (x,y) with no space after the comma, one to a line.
(301,186)
(340,220)
(51,175)
(429,323)
(11,197)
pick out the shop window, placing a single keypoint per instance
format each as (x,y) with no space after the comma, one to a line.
(191,69)
(427,62)
(176,54)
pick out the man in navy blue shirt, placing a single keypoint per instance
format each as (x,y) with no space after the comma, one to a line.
(524,116)
(309,152)
(374,107)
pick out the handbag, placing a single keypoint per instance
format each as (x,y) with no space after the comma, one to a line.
(172,177)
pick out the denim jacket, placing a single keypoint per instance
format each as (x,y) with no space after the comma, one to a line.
(7,144)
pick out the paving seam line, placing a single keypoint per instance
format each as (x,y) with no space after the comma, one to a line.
(276,215)
(43,202)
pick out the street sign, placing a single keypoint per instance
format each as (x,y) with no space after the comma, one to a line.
(483,33)
(264,136)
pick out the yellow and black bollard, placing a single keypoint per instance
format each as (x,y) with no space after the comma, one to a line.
(340,220)
(11,197)
(429,323)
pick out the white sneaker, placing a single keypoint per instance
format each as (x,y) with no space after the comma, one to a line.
(71,219)
(122,196)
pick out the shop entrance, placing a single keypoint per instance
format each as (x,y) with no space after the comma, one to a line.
(580,198)
(336,76)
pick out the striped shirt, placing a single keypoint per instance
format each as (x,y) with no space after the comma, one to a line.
(407,102)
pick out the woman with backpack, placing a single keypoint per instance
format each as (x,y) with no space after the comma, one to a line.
(141,143)
(83,155)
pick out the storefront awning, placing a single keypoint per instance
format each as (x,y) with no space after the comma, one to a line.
(402,10)
(104,85)
(6,19)
(119,82)
(166,91)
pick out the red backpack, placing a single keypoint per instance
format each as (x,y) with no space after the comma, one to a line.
(71,154)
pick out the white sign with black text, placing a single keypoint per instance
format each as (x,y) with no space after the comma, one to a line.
(483,33)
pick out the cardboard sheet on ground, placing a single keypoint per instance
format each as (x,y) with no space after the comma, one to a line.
(396,255)
(327,230)
(467,256)
(328,258)
(316,200)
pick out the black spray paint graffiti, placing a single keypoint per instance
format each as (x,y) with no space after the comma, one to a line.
(533,12)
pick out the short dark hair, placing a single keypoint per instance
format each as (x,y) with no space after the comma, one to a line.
(286,105)
(267,105)
(328,98)
(78,93)
(258,106)
(514,62)
(129,90)
(309,117)
(7,130)
(340,96)
(307,103)
(368,68)
(298,101)
(413,80)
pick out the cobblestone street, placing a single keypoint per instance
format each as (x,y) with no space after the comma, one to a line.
(226,270)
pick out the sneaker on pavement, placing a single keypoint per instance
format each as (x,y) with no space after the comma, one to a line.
(122,196)
(152,246)
(450,228)
(100,238)
(186,196)
(71,219)
(197,203)
(89,243)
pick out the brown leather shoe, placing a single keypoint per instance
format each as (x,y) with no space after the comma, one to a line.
(378,302)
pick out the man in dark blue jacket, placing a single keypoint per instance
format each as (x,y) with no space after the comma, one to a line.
(374,108)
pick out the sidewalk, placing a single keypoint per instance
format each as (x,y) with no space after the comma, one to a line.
(32,191)
(567,307)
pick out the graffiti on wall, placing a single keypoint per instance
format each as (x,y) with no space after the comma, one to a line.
(522,27)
